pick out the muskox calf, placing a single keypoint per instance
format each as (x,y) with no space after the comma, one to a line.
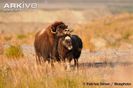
(77,48)
(69,47)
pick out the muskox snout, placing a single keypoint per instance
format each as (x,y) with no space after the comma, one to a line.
(70,47)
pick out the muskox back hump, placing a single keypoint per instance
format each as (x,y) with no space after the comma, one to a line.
(41,32)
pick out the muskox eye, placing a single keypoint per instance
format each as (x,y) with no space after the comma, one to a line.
(66,29)
(60,26)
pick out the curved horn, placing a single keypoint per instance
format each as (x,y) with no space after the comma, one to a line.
(53,31)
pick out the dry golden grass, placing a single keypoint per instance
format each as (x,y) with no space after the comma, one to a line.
(25,73)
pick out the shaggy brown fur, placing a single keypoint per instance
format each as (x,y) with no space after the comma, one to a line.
(46,41)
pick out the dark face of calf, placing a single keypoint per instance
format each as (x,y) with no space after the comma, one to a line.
(67,43)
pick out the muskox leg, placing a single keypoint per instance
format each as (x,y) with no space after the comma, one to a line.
(38,59)
(52,63)
(68,61)
(52,59)
(63,64)
(76,63)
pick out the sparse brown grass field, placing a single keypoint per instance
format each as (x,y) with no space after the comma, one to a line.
(107,56)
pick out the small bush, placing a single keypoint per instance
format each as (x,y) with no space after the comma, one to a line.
(21,36)
(13,52)
(126,35)
(7,38)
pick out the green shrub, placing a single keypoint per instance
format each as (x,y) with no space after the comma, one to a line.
(21,36)
(13,52)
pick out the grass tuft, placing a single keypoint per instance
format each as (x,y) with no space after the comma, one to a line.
(7,38)
(66,82)
(13,51)
(21,36)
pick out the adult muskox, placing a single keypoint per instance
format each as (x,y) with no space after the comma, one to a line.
(46,41)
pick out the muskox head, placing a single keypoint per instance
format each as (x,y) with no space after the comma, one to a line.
(67,42)
(60,29)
